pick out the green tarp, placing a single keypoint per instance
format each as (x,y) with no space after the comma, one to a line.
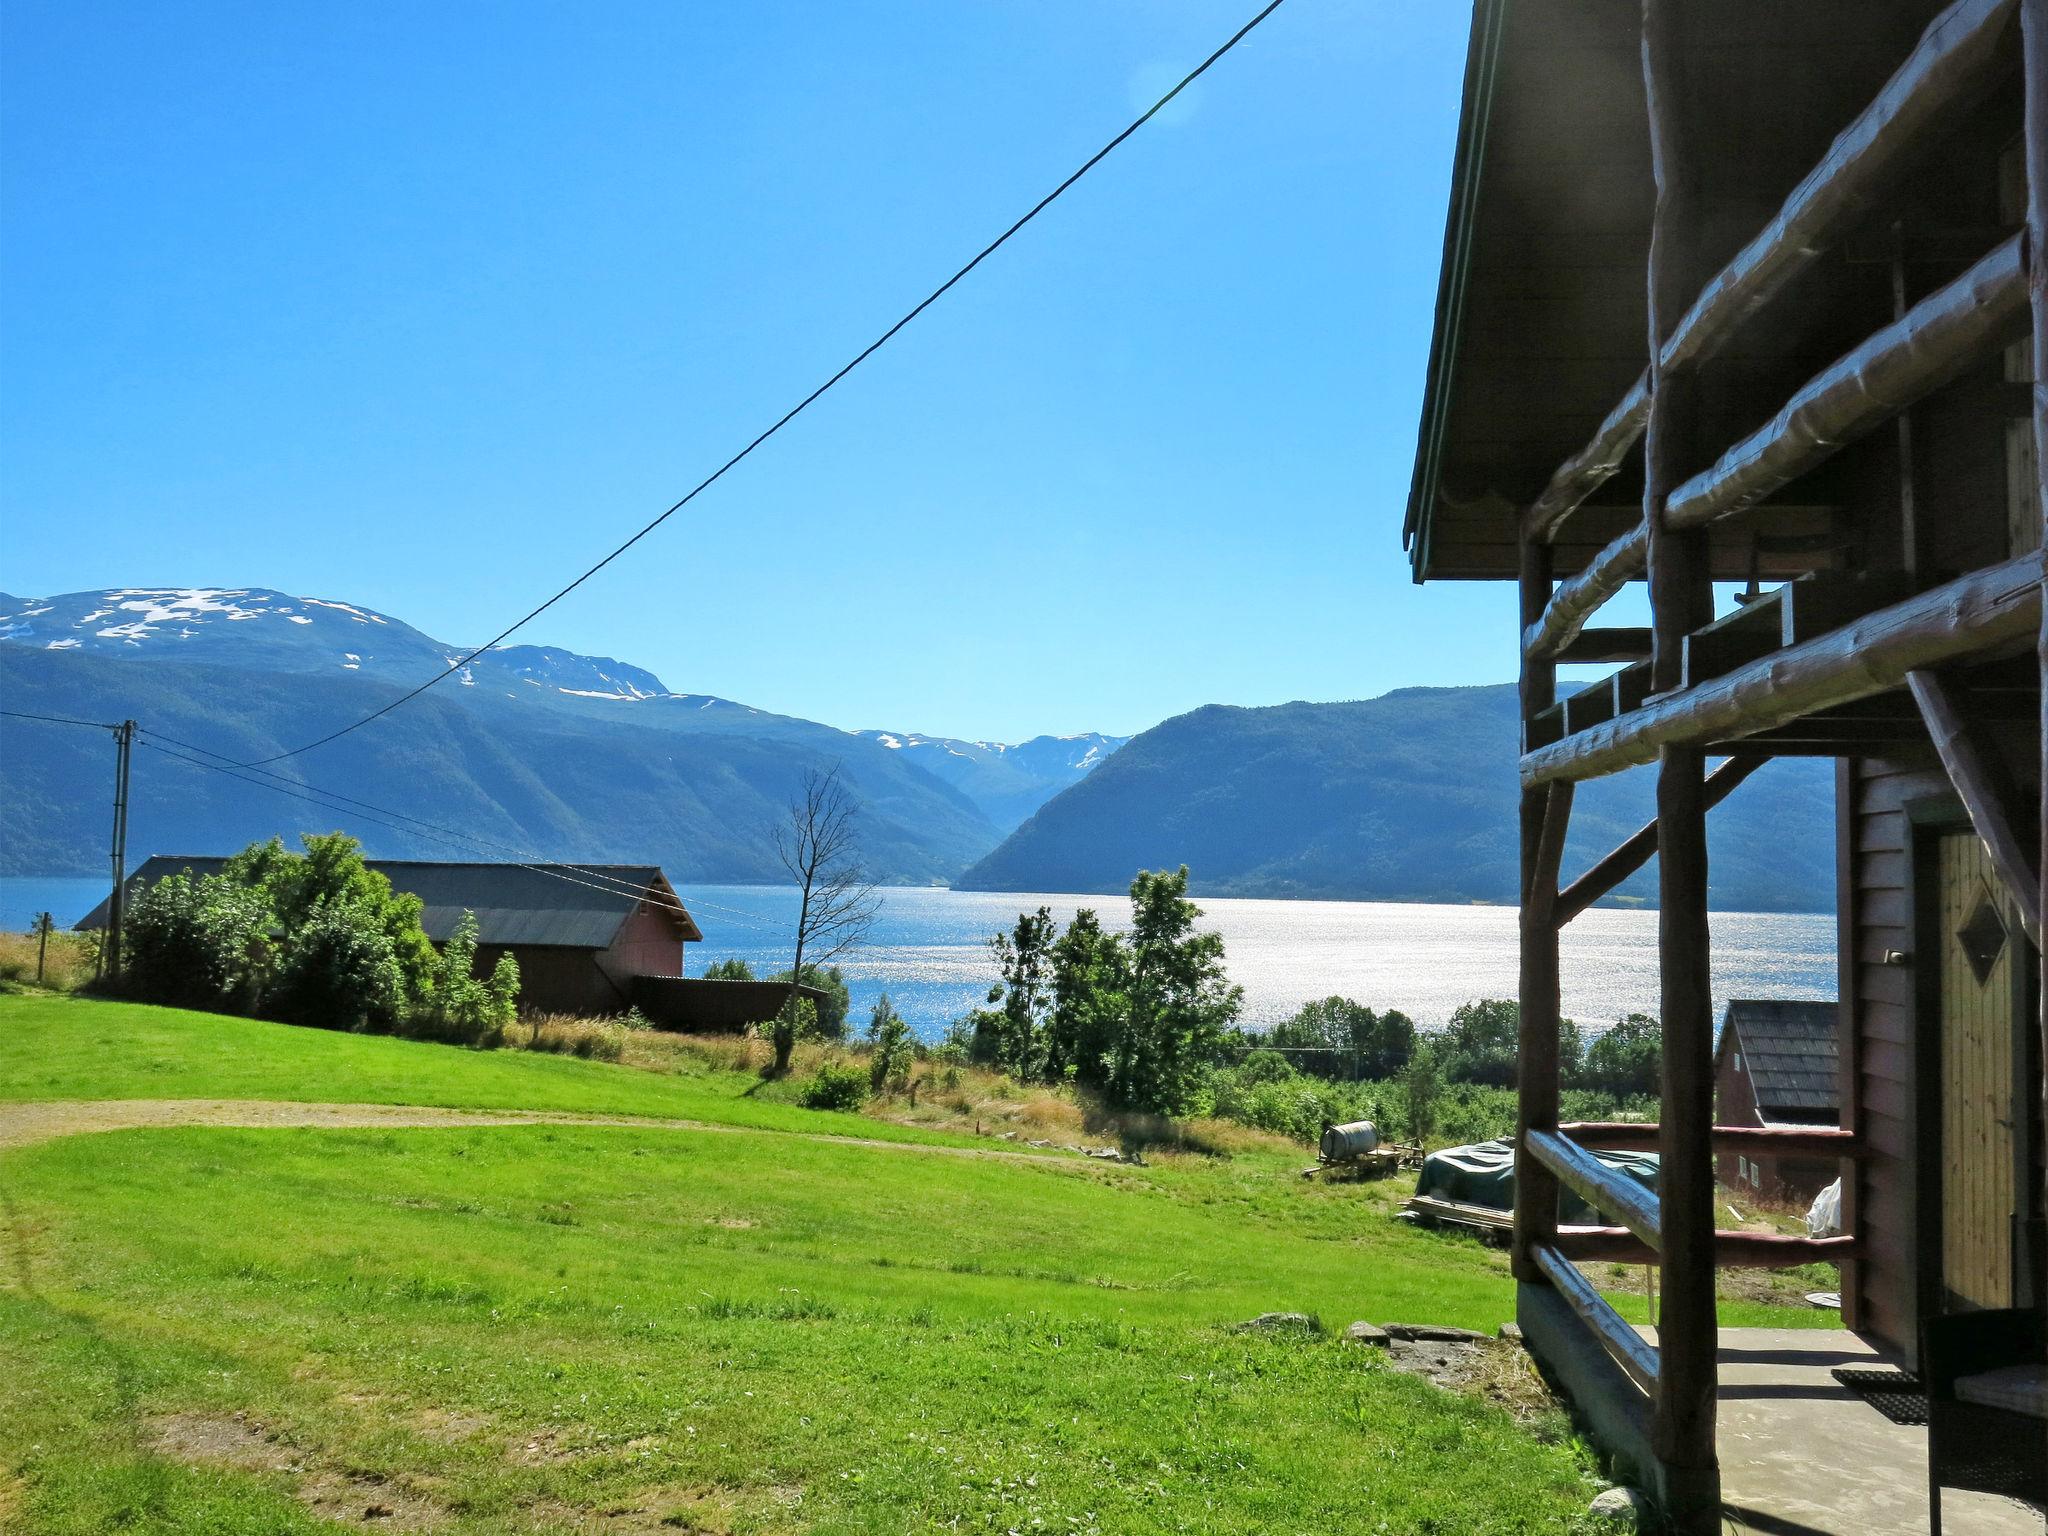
(1485,1175)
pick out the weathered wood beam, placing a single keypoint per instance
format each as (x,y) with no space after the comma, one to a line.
(1987,789)
(1956,325)
(1940,336)
(1579,476)
(1579,597)
(1629,1349)
(1954,62)
(1641,845)
(1598,647)
(1615,1194)
(1985,612)
(2034,75)
(1544,819)
(1762,1140)
(1681,602)
(1732,1250)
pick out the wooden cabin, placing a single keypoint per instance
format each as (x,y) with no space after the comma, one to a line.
(1777,1066)
(583,934)
(1742,301)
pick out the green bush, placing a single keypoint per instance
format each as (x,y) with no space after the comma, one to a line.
(316,938)
(198,943)
(460,1008)
(836,1087)
(337,970)
(889,1046)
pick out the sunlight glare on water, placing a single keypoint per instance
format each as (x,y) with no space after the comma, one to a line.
(929,951)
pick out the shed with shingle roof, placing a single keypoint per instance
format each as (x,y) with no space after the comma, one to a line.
(1777,1064)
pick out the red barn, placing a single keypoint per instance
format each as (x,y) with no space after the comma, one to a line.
(582,933)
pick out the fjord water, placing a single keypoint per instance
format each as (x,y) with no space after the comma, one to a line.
(929,949)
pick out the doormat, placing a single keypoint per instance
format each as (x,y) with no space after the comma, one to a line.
(1899,1395)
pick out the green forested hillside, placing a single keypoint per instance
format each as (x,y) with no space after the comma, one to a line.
(1408,797)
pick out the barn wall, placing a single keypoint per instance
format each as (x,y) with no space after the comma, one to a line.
(645,945)
(1734,1104)
(558,980)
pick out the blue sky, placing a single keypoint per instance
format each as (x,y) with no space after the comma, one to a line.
(425,306)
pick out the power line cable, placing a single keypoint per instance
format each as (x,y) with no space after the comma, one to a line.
(98,725)
(796,410)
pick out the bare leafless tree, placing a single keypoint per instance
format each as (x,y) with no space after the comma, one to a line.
(819,846)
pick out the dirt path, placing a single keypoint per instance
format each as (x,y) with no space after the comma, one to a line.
(24,1125)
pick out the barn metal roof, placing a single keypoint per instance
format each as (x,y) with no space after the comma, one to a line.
(1789,1051)
(556,906)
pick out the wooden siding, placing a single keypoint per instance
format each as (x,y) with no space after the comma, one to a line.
(1881,1296)
(1976,1055)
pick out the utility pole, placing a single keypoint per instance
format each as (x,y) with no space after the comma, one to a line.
(124,743)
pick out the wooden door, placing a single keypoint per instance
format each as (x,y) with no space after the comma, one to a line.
(1983,965)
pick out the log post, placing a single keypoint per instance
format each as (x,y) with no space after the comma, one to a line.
(1681,600)
(2034,69)
(1537,1085)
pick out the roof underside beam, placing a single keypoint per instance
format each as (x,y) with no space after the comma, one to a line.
(1955,61)
(1953,327)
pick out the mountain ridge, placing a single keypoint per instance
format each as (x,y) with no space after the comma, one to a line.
(1410,796)
(625,763)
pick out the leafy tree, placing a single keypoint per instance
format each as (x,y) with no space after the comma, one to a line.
(829,1017)
(889,1047)
(331,873)
(731,969)
(1265,1067)
(1024,1002)
(1342,1040)
(337,969)
(1090,1001)
(1627,1059)
(1180,1001)
(1482,1041)
(1421,1086)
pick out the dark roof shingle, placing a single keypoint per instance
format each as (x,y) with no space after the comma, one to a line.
(1789,1050)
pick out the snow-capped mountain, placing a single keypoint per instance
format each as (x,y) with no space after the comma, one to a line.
(526,736)
(262,629)
(1009,781)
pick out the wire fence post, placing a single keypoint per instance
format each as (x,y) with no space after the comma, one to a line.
(124,743)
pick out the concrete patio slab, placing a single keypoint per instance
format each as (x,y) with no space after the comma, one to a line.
(1801,1455)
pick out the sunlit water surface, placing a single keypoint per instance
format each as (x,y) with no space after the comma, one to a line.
(929,949)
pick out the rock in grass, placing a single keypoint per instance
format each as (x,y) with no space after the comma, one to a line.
(1619,1509)
(1511,1333)
(1433,1333)
(1370,1334)
(1282,1322)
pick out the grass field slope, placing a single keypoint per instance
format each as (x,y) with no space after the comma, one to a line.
(753,1318)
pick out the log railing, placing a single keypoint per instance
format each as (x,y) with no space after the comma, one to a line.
(1600,1186)
(1635,1354)
(1954,62)
(1958,324)
(1995,608)
(1756,1140)
(1732,1250)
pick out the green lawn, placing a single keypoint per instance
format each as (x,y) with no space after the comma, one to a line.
(54,1046)
(556,1328)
